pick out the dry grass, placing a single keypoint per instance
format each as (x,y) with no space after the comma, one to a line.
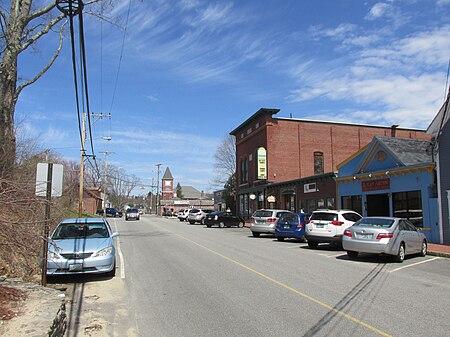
(22,223)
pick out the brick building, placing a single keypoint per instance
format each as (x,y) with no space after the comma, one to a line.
(290,163)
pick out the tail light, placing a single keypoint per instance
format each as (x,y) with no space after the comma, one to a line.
(252,219)
(308,221)
(271,220)
(300,225)
(385,236)
(337,223)
(348,233)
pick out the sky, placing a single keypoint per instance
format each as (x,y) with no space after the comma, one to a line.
(178,75)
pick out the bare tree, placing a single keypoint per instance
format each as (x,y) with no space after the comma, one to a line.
(224,161)
(21,27)
(120,185)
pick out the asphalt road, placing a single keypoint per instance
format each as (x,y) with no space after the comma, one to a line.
(176,279)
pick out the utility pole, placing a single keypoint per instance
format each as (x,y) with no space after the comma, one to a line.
(157,191)
(105,180)
(83,141)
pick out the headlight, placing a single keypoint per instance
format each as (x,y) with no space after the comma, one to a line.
(103,252)
(216,217)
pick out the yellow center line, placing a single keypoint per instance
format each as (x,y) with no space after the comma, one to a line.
(312,299)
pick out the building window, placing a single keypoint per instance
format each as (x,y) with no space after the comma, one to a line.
(408,205)
(318,163)
(353,202)
(244,171)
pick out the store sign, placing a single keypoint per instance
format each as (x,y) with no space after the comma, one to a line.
(308,188)
(262,163)
(376,185)
(271,198)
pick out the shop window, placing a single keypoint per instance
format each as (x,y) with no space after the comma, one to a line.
(318,163)
(408,205)
(353,202)
(244,171)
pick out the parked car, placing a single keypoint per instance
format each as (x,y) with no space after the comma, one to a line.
(291,225)
(265,220)
(223,219)
(328,226)
(384,235)
(183,214)
(132,213)
(113,212)
(197,215)
(82,246)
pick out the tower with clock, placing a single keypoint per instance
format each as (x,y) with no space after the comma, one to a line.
(167,185)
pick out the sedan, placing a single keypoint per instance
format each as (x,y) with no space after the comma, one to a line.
(132,213)
(291,225)
(384,235)
(223,219)
(82,246)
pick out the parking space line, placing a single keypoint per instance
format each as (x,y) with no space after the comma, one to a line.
(414,264)
(337,255)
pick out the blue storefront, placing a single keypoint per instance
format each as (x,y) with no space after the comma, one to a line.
(392,177)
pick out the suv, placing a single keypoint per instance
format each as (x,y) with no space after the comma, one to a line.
(132,213)
(265,220)
(183,214)
(326,225)
(197,215)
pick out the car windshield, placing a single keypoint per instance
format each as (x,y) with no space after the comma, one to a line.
(374,222)
(132,210)
(326,216)
(74,230)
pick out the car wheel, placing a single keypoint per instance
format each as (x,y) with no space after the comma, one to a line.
(180,219)
(191,222)
(221,225)
(351,254)
(256,234)
(240,224)
(312,244)
(279,238)
(400,257)
(209,226)
(202,221)
(424,249)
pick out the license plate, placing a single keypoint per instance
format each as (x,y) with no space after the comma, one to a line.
(287,226)
(364,236)
(76,267)
(319,225)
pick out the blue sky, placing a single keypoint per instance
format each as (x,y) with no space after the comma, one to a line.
(192,70)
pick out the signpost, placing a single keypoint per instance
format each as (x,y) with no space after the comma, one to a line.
(49,178)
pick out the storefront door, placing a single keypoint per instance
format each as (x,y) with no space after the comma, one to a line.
(377,205)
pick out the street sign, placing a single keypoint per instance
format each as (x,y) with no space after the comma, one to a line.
(56,179)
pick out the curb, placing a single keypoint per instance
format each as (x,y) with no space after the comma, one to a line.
(439,254)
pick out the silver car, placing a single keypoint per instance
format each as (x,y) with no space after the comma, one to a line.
(265,221)
(197,215)
(82,246)
(384,235)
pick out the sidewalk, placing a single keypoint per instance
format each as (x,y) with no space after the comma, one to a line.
(438,250)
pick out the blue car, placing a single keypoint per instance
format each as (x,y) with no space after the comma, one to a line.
(291,225)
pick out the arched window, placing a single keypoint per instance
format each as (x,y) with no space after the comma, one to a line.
(318,163)
(244,170)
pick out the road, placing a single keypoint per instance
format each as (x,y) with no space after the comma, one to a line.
(176,279)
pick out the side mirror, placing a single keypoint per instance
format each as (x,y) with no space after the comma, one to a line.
(115,234)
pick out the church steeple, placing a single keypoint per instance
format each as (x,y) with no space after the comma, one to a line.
(167,185)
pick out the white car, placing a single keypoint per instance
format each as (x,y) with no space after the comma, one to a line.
(183,214)
(328,226)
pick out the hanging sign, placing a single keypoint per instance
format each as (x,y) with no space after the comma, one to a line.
(262,163)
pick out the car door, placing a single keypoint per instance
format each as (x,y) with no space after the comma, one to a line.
(415,237)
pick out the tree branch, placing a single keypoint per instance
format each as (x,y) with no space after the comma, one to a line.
(49,64)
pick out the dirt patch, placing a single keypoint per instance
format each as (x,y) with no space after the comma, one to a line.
(11,302)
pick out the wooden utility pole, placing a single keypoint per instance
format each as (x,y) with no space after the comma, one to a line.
(157,192)
(83,141)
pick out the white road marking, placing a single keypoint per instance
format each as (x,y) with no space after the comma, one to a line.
(414,264)
(119,251)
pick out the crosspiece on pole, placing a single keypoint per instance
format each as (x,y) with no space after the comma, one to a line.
(70,7)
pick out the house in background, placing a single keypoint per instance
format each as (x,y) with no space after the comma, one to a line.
(392,177)
(439,129)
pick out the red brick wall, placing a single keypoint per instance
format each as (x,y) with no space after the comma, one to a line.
(291,145)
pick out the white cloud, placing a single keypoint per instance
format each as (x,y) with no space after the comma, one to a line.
(379,10)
